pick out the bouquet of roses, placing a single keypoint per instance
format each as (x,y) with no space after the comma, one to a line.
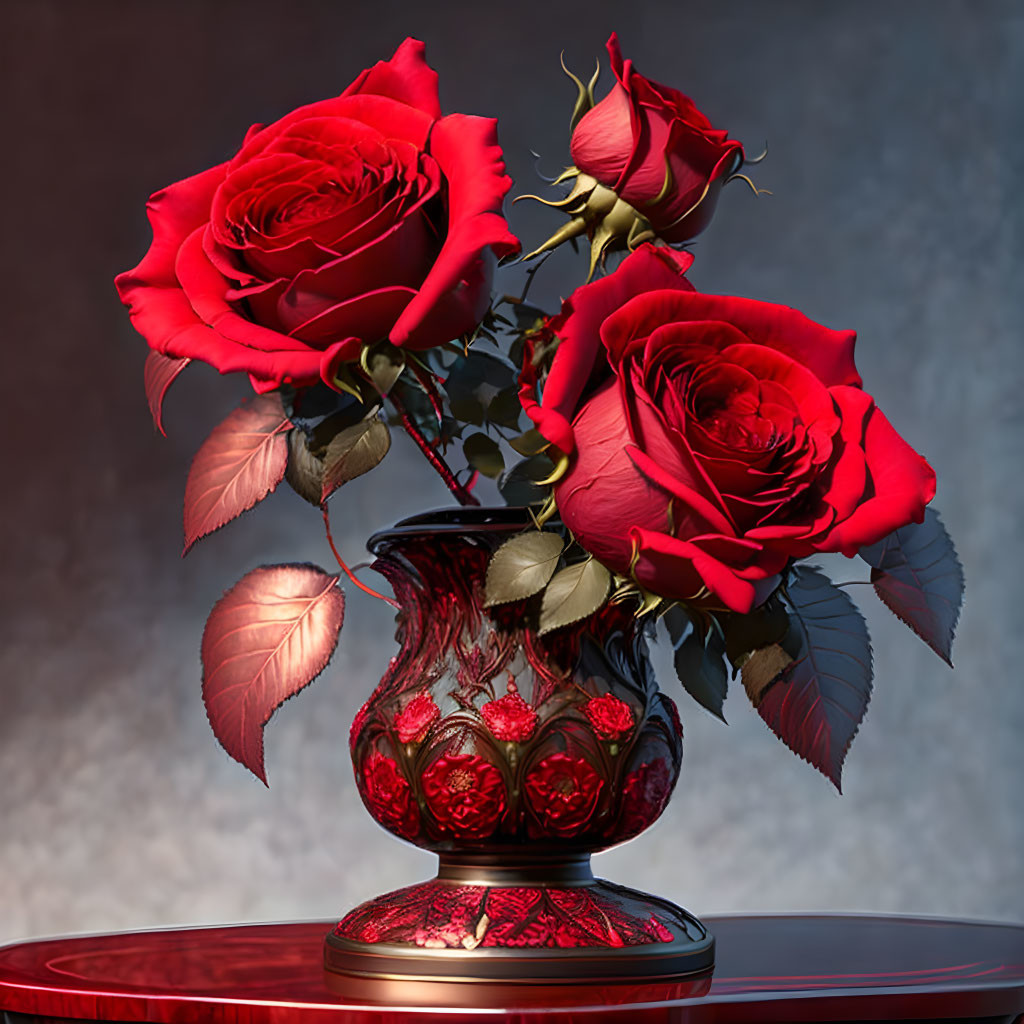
(684,452)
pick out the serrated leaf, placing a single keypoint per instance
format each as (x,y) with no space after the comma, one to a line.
(916,573)
(353,452)
(573,593)
(530,442)
(699,659)
(158,375)
(239,464)
(521,567)
(383,364)
(818,700)
(268,637)
(484,455)
(305,471)
(505,408)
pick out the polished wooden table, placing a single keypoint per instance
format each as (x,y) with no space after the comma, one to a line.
(768,968)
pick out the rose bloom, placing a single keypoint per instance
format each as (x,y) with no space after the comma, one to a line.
(350,220)
(388,795)
(712,438)
(563,793)
(413,721)
(466,795)
(509,718)
(609,716)
(651,145)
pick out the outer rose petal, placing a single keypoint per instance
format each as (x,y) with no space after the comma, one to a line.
(157,308)
(406,77)
(902,483)
(456,293)
(603,139)
(579,330)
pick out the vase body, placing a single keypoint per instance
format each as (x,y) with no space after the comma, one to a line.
(513,756)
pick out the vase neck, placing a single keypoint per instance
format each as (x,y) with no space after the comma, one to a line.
(508,869)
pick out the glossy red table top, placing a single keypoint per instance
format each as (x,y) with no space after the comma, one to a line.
(768,968)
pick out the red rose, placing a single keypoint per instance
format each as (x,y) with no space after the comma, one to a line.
(656,151)
(645,793)
(609,716)
(413,721)
(388,795)
(510,717)
(358,218)
(563,792)
(466,795)
(714,438)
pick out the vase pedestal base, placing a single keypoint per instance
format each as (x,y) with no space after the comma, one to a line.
(528,923)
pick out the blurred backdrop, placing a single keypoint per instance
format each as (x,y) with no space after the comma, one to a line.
(896,139)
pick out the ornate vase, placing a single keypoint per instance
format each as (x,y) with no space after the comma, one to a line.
(513,756)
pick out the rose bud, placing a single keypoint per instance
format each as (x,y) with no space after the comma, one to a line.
(708,440)
(647,163)
(348,221)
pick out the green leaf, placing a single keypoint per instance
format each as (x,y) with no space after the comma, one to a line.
(699,659)
(383,364)
(505,408)
(532,442)
(822,685)
(356,450)
(573,594)
(305,472)
(473,381)
(521,567)
(469,410)
(484,455)
(519,485)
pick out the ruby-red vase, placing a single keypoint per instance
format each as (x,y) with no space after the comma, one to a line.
(514,757)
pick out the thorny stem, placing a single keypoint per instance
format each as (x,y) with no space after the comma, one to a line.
(431,454)
(345,569)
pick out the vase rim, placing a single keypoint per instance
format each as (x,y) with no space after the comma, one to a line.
(454,520)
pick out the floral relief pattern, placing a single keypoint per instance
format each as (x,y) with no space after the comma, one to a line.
(444,916)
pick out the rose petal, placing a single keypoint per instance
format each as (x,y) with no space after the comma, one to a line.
(467,151)
(366,316)
(174,213)
(406,77)
(902,483)
(580,332)
(206,287)
(670,567)
(826,353)
(400,256)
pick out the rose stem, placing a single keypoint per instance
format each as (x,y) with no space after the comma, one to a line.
(434,457)
(345,569)
(431,391)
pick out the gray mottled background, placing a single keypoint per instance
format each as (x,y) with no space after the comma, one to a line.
(895,134)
